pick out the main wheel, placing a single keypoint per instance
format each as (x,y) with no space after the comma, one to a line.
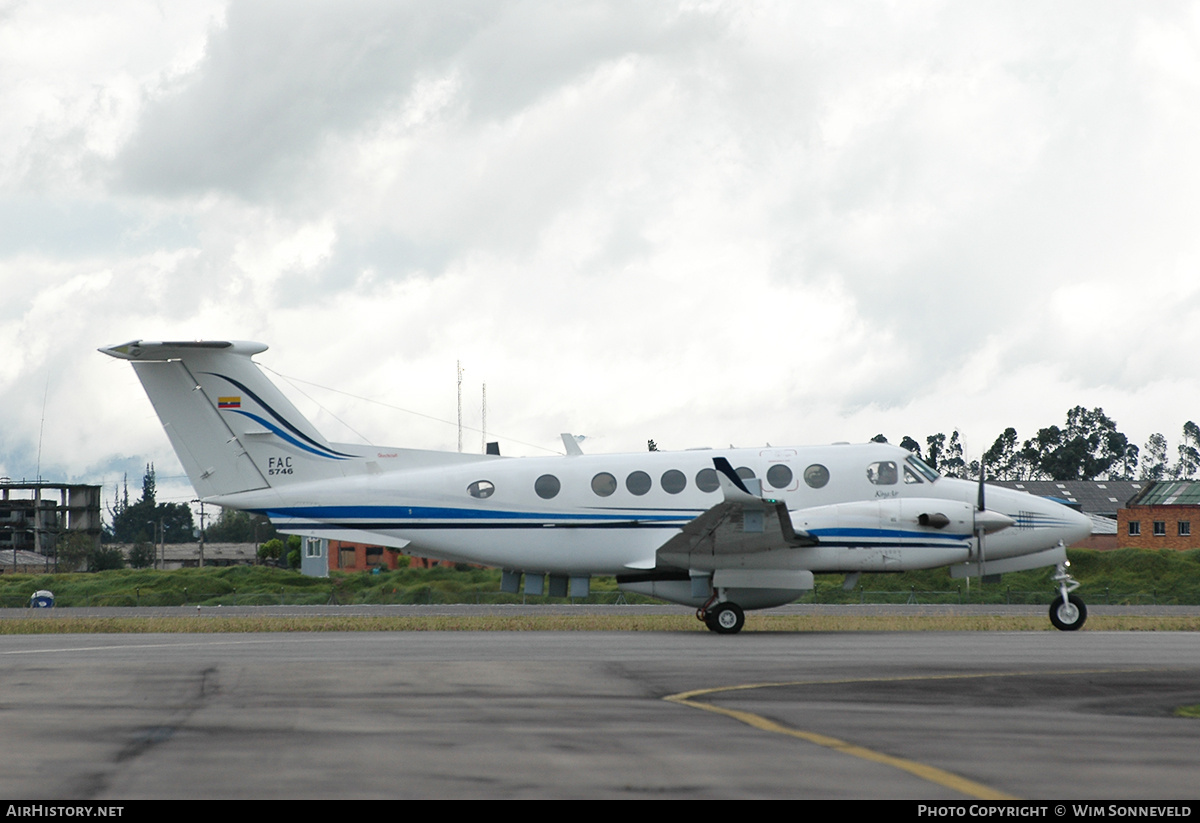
(1069,616)
(726,618)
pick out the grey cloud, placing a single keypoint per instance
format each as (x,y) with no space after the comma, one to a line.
(281,77)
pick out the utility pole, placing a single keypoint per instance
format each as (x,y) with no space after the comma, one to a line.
(483,425)
(458,365)
(201,502)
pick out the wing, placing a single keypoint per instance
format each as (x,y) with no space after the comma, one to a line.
(743,523)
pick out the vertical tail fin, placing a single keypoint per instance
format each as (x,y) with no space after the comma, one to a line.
(232,429)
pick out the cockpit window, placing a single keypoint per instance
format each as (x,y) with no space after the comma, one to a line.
(910,477)
(922,468)
(882,473)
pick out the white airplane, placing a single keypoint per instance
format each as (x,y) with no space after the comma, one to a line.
(722,530)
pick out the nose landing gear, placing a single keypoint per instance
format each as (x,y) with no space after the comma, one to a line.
(1067,612)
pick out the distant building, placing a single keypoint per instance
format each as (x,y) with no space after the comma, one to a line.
(319,557)
(35,516)
(1164,515)
(1100,500)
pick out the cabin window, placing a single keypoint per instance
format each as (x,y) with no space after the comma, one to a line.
(604,484)
(673,481)
(882,473)
(1135,528)
(481,489)
(745,472)
(706,480)
(816,476)
(779,476)
(547,486)
(638,483)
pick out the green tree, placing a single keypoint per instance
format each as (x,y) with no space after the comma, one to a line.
(1003,459)
(235,526)
(1154,458)
(953,464)
(72,551)
(141,556)
(271,550)
(1126,467)
(1189,452)
(106,558)
(1088,447)
(294,543)
(141,521)
(912,445)
(937,445)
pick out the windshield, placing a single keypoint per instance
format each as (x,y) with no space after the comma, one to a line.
(922,468)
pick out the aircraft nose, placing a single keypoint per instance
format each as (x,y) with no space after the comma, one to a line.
(1078,526)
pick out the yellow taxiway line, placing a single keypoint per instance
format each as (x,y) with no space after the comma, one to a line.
(933,774)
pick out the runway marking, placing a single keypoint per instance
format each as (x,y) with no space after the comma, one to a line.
(924,771)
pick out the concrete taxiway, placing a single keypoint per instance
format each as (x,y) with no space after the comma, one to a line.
(925,715)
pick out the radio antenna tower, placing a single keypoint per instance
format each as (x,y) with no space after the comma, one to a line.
(458,365)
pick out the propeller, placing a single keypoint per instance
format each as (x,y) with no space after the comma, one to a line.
(980,523)
(986,521)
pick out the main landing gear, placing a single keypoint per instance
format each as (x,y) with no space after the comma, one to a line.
(1067,612)
(722,618)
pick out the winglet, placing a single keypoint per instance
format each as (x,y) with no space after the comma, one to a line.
(733,487)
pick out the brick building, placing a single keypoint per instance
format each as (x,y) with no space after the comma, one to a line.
(1164,515)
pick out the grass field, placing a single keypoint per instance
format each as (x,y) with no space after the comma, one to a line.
(1125,576)
(52,623)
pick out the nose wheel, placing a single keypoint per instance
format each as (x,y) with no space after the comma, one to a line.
(1068,616)
(1068,612)
(723,618)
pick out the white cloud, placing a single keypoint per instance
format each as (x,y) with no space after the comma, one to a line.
(701,223)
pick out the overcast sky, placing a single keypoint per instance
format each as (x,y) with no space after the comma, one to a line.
(700,222)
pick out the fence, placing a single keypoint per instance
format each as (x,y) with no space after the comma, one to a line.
(429,595)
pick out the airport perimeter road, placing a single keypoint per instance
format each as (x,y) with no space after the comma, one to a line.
(531,715)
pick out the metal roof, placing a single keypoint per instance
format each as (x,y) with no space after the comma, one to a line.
(1103,497)
(1169,493)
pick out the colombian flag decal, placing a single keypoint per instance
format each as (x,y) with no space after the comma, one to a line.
(229,402)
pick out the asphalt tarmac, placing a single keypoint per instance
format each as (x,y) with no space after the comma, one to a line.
(926,715)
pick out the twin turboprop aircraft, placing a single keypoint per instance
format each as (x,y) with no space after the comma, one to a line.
(722,530)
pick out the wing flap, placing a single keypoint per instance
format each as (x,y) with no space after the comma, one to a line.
(742,523)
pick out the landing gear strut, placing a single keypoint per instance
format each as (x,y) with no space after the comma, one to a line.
(722,618)
(1067,612)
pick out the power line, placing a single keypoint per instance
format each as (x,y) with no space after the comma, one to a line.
(292,380)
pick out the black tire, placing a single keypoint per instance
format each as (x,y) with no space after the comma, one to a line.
(1069,616)
(725,618)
